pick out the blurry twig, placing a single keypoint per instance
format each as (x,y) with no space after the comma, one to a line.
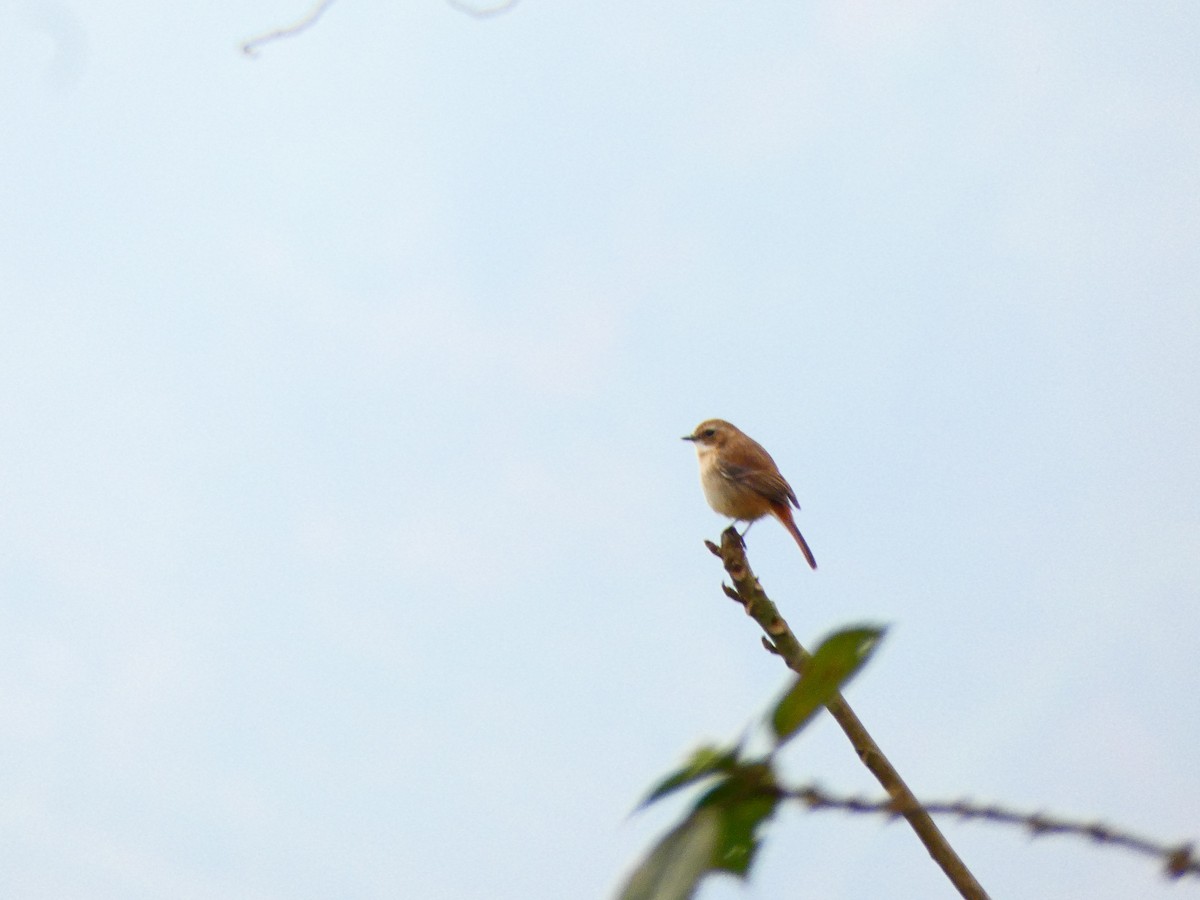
(1178,861)
(482,12)
(250,47)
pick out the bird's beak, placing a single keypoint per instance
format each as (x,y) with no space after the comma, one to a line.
(688,437)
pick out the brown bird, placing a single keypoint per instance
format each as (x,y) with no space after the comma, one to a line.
(740,479)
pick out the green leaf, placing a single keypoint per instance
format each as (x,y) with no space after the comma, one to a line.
(675,866)
(838,658)
(739,834)
(705,762)
(746,799)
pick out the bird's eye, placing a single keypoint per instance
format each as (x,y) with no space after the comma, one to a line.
(709,432)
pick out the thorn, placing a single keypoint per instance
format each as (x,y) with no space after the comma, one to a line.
(1179,861)
(713,548)
(731,593)
(1038,825)
(769,647)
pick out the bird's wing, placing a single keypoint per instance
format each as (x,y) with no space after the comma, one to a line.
(762,481)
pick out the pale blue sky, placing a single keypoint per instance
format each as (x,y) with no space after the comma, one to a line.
(349,548)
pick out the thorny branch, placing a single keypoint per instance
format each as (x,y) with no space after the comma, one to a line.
(778,638)
(1178,860)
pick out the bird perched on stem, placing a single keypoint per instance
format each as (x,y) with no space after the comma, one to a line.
(740,479)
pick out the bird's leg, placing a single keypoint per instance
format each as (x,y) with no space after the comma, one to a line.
(742,534)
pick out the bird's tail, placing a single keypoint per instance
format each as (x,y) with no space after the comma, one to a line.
(784,515)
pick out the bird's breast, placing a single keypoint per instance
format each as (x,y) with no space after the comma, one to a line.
(727,496)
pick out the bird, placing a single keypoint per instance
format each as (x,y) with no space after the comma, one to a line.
(741,481)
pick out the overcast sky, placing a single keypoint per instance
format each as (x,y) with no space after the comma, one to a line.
(348,547)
